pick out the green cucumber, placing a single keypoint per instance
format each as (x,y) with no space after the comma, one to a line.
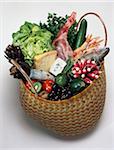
(81,33)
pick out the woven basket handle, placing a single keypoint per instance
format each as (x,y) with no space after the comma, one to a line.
(24,74)
(104,26)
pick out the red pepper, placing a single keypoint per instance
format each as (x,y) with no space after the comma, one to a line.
(47,85)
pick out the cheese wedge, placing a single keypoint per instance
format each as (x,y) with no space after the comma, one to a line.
(45,60)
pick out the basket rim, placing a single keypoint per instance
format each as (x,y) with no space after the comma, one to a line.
(65,100)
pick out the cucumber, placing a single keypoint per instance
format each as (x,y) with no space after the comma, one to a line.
(81,33)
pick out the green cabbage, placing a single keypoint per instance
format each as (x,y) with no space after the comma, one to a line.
(32,40)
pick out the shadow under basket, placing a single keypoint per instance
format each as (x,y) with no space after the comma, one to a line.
(72,116)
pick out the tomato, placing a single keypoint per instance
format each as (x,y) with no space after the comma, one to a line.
(47,85)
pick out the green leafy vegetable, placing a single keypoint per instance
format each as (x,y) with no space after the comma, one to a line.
(54,24)
(32,40)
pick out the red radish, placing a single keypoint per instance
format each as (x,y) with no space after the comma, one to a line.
(86,69)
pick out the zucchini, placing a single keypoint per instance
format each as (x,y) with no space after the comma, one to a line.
(81,33)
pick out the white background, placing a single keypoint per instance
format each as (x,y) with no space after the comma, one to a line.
(18,131)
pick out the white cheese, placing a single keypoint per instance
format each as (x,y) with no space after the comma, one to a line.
(58,66)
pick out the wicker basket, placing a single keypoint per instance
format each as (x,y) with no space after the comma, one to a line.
(72,116)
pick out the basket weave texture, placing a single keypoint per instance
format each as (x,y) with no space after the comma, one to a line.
(73,116)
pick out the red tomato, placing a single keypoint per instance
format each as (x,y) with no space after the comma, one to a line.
(47,85)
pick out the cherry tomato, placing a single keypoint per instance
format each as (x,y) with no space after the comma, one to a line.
(47,85)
